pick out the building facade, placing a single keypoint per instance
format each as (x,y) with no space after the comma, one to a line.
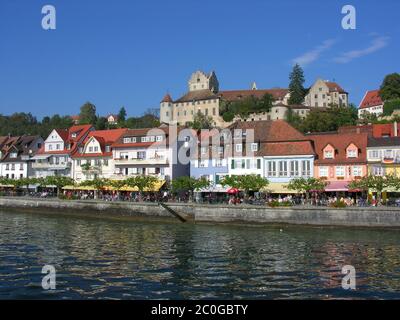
(153,151)
(54,158)
(16,162)
(371,103)
(324,93)
(340,159)
(383,155)
(94,157)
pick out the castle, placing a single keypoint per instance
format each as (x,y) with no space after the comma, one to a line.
(205,97)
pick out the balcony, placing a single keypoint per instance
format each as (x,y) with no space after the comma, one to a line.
(51,166)
(120,176)
(141,161)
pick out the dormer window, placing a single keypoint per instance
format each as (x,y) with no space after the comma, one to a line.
(328,154)
(352,153)
(73,135)
(108,148)
(127,140)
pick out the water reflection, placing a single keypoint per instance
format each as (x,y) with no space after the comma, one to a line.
(135,260)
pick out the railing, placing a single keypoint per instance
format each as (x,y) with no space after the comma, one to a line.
(158,160)
(48,165)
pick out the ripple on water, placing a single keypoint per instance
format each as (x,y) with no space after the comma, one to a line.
(134,260)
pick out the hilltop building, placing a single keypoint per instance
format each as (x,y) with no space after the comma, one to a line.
(205,97)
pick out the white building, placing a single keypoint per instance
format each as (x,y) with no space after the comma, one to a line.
(324,93)
(54,158)
(371,103)
(152,152)
(94,157)
(17,160)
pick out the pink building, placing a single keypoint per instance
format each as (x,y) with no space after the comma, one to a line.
(341,158)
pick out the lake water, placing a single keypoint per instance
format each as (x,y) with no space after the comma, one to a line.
(137,260)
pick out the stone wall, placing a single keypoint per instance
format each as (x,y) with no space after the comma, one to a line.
(351,217)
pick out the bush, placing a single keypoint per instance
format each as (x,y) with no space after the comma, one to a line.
(339,204)
(275,203)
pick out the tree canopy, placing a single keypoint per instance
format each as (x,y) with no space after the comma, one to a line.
(296,85)
(390,88)
(88,114)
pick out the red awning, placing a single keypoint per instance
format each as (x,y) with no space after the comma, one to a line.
(337,186)
(233,191)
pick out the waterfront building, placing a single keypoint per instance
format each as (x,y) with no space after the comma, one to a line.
(340,158)
(54,157)
(151,151)
(94,157)
(371,103)
(383,155)
(324,93)
(17,156)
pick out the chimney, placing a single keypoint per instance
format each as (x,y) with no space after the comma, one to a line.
(395,129)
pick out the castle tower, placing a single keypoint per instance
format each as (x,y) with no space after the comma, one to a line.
(201,81)
(166,110)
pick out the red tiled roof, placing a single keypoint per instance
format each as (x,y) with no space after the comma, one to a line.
(340,142)
(333,86)
(167,98)
(371,99)
(293,148)
(66,136)
(104,137)
(232,95)
(270,131)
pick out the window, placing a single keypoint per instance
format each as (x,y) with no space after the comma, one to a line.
(127,140)
(203,150)
(159,138)
(7,166)
(21,166)
(167,114)
(203,164)
(323,171)
(219,163)
(340,171)
(378,171)
(282,168)
(328,154)
(352,153)
(388,154)
(357,171)
(141,155)
(78,163)
(50,147)
(90,149)
(96,149)
(108,148)
(271,168)
(58,146)
(214,112)
(254,147)
(258,163)
(305,168)
(238,147)
(13,155)
(294,168)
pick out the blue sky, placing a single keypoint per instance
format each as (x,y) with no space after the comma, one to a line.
(130,53)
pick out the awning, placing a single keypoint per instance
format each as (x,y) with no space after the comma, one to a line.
(41,157)
(6,186)
(278,188)
(213,189)
(156,187)
(335,186)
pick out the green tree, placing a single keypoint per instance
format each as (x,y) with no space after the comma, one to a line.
(201,121)
(247,183)
(306,185)
(97,183)
(189,184)
(390,88)
(329,119)
(59,182)
(390,106)
(296,85)
(376,183)
(122,115)
(101,123)
(88,114)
